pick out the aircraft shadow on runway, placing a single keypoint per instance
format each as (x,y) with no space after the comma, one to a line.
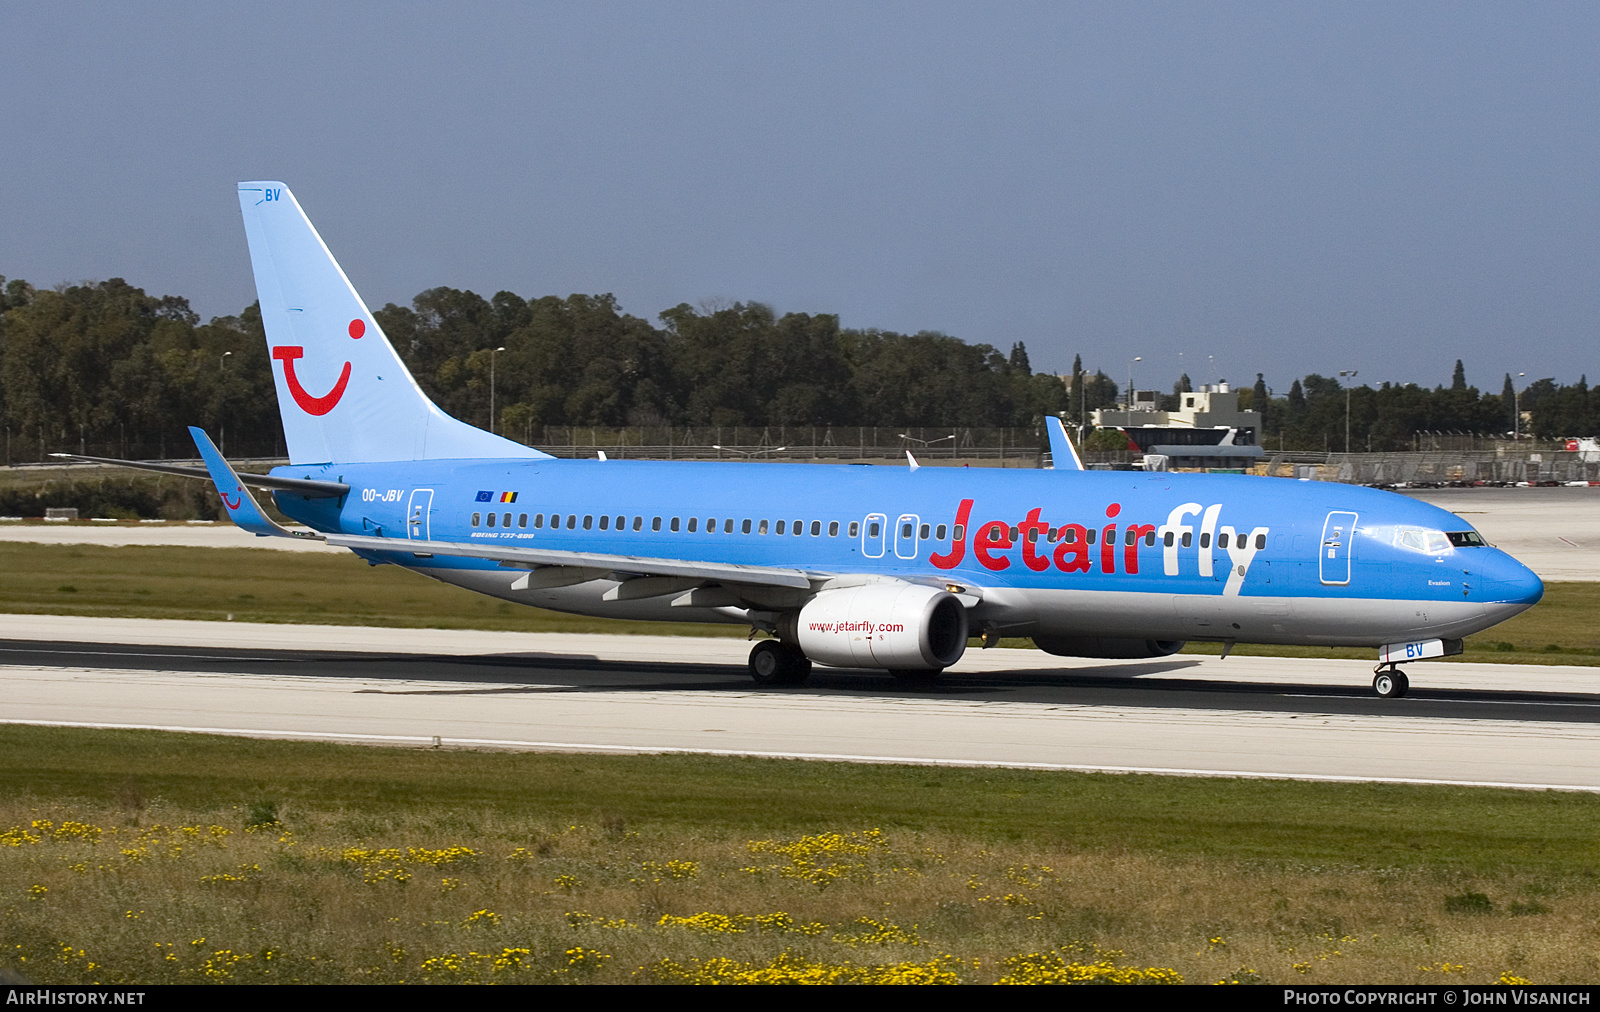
(1154,683)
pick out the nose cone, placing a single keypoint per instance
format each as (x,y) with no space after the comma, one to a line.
(1511,588)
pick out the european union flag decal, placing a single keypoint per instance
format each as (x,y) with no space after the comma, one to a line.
(485,496)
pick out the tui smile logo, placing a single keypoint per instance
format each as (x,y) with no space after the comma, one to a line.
(232,504)
(310,403)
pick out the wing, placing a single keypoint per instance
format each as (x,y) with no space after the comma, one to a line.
(1063,457)
(628,565)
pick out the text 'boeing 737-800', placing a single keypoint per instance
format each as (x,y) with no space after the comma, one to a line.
(865,567)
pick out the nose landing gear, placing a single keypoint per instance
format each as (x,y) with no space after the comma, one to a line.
(1390,684)
(774,662)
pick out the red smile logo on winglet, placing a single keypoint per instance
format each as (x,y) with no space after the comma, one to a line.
(309,403)
(232,504)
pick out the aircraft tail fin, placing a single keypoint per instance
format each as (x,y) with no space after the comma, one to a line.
(1063,457)
(344,395)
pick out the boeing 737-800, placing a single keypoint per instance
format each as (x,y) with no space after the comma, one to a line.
(891,568)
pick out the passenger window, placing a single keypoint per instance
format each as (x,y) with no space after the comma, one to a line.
(692,522)
(674,525)
(538,521)
(1069,535)
(763,528)
(491,519)
(1015,536)
(855,528)
(605,523)
(638,523)
(572,521)
(905,531)
(727,526)
(961,531)
(1261,541)
(779,528)
(1205,539)
(1132,537)
(522,519)
(799,528)
(588,521)
(1033,535)
(1089,536)
(1167,538)
(1188,538)
(1222,540)
(622,522)
(655,523)
(872,529)
(476,518)
(1150,539)
(938,533)
(505,520)
(833,528)
(816,528)
(745,527)
(924,533)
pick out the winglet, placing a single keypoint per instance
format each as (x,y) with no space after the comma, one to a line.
(241,505)
(1062,455)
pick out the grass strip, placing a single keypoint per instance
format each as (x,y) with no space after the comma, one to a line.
(154,857)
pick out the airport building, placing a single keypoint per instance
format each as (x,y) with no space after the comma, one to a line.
(1206,430)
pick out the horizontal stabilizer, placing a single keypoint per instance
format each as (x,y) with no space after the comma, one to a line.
(299,486)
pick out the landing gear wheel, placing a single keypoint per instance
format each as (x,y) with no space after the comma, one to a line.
(773,662)
(1390,684)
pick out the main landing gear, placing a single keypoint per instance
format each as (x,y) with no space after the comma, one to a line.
(1390,684)
(774,662)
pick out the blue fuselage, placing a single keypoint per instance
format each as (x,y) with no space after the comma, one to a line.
(1161,555)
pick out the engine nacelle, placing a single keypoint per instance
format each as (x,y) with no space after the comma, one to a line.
(1102,646)
(899,626)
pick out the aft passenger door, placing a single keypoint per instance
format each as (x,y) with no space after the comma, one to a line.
(1333,558)
(417,512)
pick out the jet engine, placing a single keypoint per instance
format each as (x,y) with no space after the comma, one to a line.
(1102,646)
(898,626)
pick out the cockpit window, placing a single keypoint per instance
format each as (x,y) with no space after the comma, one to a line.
(1467,539)
(1418,540)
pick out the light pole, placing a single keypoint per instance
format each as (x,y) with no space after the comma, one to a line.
(492,356)
(1347,374)
(1137,358)
(1516,409)
(222,424)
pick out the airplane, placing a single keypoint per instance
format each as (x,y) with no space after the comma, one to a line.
(887,568)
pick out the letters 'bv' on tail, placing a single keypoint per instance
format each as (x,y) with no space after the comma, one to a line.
(344,395)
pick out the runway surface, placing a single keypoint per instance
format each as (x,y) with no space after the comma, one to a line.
(1511,725)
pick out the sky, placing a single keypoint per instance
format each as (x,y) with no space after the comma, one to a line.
(1219,189)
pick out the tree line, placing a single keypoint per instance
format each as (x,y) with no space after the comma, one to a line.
(106,369)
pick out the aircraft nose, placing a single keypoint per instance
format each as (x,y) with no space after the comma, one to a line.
(1516,583)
